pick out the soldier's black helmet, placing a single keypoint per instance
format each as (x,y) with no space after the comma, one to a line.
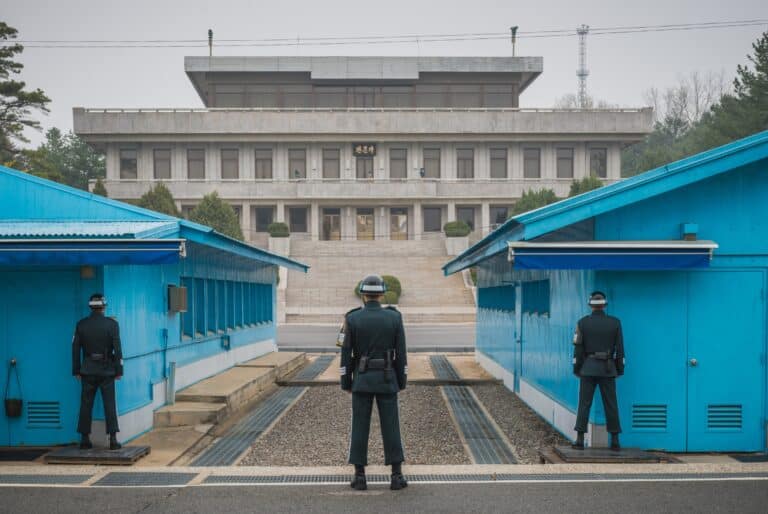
(97,301)
(597,299)
(372,285)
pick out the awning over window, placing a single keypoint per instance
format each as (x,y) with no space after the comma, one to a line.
(612,255)
(95,252)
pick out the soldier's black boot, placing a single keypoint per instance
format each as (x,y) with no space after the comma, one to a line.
(579,444)
(113,444)
(359,482)
(85,442)
(615,446)
(398,480)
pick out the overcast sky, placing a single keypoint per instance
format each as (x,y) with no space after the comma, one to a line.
(621,67)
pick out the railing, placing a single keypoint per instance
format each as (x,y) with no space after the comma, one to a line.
(355,109)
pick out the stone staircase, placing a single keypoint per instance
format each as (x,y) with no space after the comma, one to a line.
(326,292)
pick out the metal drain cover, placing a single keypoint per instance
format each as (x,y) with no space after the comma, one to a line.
(124,479)
(43,479)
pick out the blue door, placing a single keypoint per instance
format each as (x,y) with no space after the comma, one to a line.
(652,392)
(726,338)
(38,312)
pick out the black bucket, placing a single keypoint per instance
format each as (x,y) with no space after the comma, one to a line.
(13,407)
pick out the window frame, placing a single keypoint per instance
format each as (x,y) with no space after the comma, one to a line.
(292,160)
(328,160)
(401,161)
(465,166)
(198,160)
(497,159)
(564,160)
(291,225)
(439,211)
(155,160)
(605,161)
(256,217)
(432,159)
(122,161)
(257,160)
(526,159)
(230,159)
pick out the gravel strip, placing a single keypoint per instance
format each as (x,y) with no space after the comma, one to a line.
(315,432)
(526,431)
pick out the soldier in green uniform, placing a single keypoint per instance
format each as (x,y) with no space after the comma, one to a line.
(598,358)
(374,366)
(97,361)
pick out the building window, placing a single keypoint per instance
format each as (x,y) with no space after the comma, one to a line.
(498,215)
(263,163)
(297,96)
(467,215)
(264,218)
(363,97)
(128,163)
(262,96)
(297,218)
(331,163)
(430,96)
(196,163)
(162,162)
(297,163)
(229,96)
(565,163)
(330,97)
(465,163)
(465,96)
(364,167)
(499,96)
(535,297)
(432,163)
(532,163)
(498,163)
(598,162)
(396,96)
(186,211)
(432,219)
(398,163)
(230,163)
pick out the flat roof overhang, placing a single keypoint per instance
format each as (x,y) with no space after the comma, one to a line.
(611,255)
(94,252)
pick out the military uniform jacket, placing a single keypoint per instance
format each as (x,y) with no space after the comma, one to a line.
(96,348)
(372,331)
(599,334)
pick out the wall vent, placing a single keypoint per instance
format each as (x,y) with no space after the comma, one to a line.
(43,415)
(724,417)
(649,417)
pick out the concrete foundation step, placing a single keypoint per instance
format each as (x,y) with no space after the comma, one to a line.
(284,363)
(190,413)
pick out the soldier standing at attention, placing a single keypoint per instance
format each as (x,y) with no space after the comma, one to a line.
(97,361)
(374,366)
(598,358)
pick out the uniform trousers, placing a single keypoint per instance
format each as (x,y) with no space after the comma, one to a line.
(362,407)
(607,387)
(90,384)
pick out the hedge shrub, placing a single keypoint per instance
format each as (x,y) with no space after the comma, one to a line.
(456,229)
(278,229)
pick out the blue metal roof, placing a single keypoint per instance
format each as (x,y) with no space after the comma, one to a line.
(566,212)
(84,229)
(183,228)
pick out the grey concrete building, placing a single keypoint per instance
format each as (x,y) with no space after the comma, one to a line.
(359,147)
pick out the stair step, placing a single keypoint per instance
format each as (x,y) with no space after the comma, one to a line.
(189,414)
(234,387)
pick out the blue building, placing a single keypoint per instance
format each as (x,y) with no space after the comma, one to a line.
(58,245)
(682,253)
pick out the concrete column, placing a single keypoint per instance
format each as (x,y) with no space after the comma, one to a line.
(485,218)
(246,226)
(418,224)
(482,162)
(112,160)
(448,161)
(450,213)
(247,162)
(580,165)
(348,221)
(515,162)
(314,221)
(280,212)
(144,163)
(381,222)
(614,162)
(280,163)
(212,163)
(178,162)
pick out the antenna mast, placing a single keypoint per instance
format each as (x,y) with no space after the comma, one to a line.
(582,72)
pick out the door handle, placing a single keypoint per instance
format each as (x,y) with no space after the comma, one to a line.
(693,363)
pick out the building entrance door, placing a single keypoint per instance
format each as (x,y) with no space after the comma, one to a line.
(725,363)
(331,224)
(398,223)
(365,225)
(49,393)
(364,167)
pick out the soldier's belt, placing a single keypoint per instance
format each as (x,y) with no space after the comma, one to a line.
(98,357)
(601,356)
(377,363)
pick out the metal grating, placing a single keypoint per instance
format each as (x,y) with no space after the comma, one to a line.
(724,417)
(127,479)
(442,368)
(43,479)
(314,369)
(484,441)
(649,417)
(43,415)
(225,450)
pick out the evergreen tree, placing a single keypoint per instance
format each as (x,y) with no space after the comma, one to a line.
(586,184)
(63,158)
(217,214)
(99,188)
(533,200)
(158,199)
(16,102)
